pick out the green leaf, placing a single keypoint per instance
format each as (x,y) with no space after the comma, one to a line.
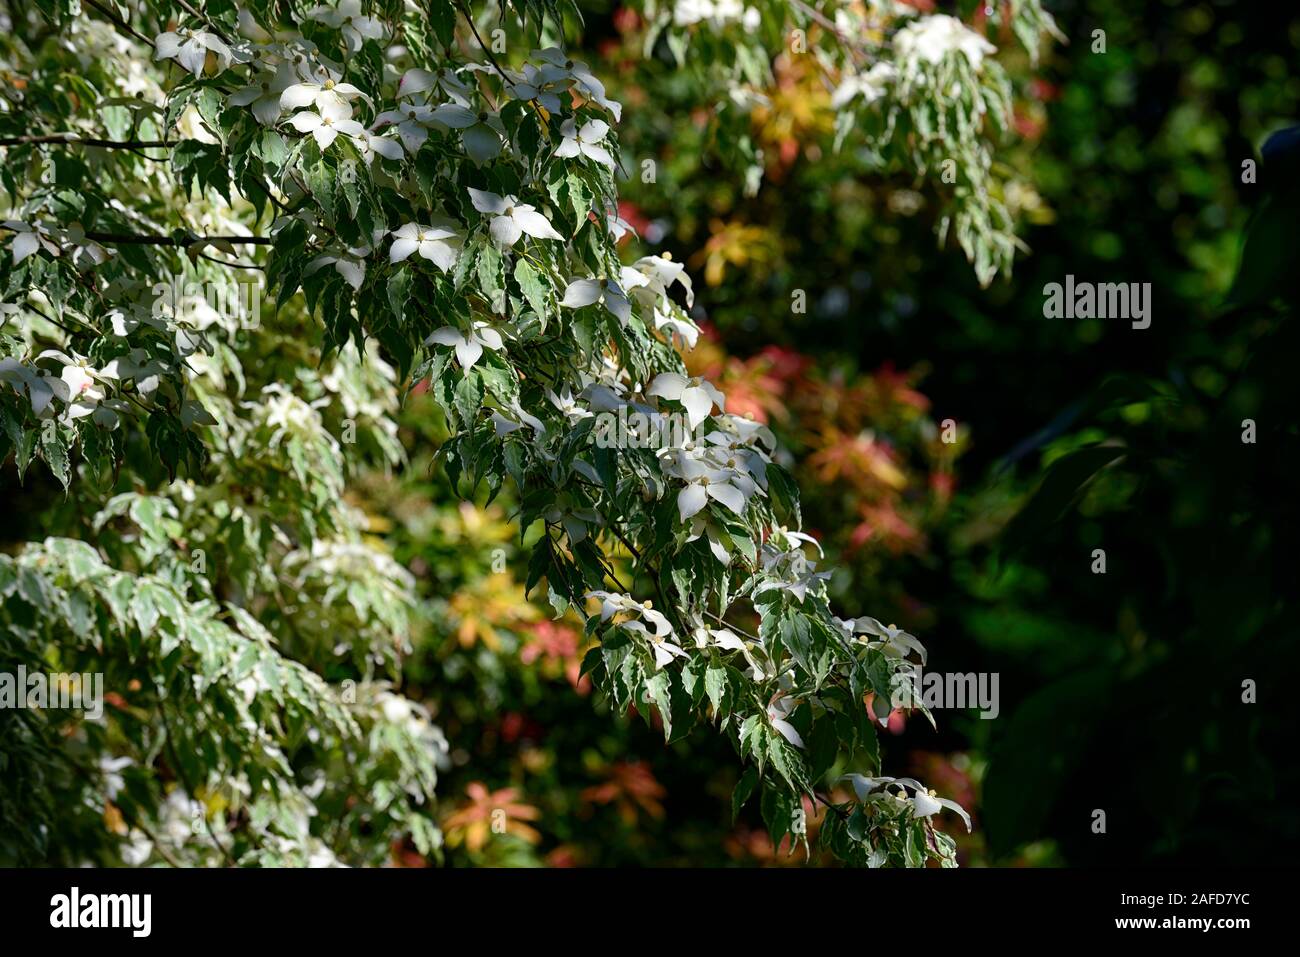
(744,788)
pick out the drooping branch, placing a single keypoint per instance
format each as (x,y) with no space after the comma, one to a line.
(72,139)
(126,239)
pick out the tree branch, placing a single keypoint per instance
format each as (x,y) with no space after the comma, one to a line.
(71,139)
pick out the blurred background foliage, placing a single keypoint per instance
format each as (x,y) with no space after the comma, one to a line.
(1120,691)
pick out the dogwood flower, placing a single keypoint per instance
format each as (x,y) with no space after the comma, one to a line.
(535,84)
(413,123)
(438,242)
(585,292)
(556,66)
(191,49)
(469,346)
(709,484)
(417,81)
(934,37)
(697,395)
(348,19)
(264,96)
(778,711)
(924,801)
(369,144)
(511,218)
(326,125)
(661,272)
(328,96)
(28,238)
(481,133)
(871,85)
(893,641)
(584,141)
(612,603)
(568,405)
(349,263)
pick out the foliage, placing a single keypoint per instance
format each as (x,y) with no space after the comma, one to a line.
(465,243)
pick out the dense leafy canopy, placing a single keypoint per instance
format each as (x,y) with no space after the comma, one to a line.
(411,207)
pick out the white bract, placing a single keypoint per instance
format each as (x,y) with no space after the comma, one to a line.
(326,125)
(870,86)
(437,242)
(697,395)
(348,19)
(28,238)
(585,141)
(469,346)
(191,49)
(932,38)
(586,292)
(328,97)
(264,95)
(510,218)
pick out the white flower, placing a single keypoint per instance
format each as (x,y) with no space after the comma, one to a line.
(777,712)
(347,18)
(612,603)
(29,238)
(716,485)
(924,801)
(618,226)
(504,425)
(326,125)
(698,396)
(438,243)
(77,384)
(481,131)
(585,292)
(86,253)
(368,144)
(870,85)
(893,641)
(264,96)
(191,49)
(678,328)
(511,218)
(932,38)
(537,84)
(469,348)
(416,81)
(568,405)
(111,769)
(328,96)
(584,141)
(349,264)
(412,122)
(556,66)
(661,272)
